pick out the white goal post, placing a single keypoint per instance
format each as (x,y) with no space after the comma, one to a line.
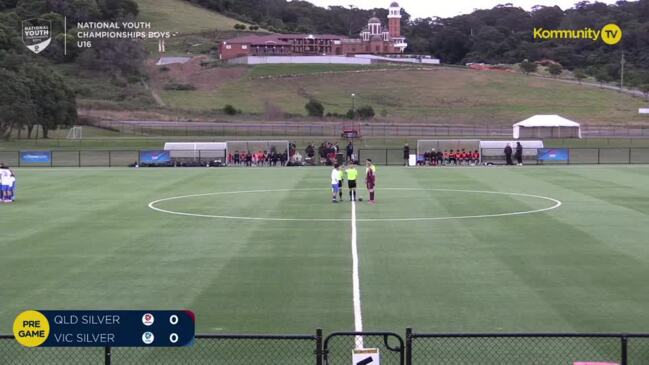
(75,132)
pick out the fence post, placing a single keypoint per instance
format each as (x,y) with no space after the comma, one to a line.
(18,152)
(630,155)
(623,341)
(318,346)
(599,150)
(79,157)
(110,161)
(408,346)
(107,355)
(386,157)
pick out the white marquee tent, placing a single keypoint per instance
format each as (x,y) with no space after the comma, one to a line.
(547,126)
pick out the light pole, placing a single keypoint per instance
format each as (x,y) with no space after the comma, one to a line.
(354,103)
(622,62)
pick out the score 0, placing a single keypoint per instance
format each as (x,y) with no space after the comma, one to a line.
(173,319)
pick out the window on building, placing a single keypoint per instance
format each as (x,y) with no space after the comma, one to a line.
(244,47)
(228,46)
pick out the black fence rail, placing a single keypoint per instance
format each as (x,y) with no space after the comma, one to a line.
(488,349)
(412,349)
(337,128)
(338,347)
(379,156)
(206,349)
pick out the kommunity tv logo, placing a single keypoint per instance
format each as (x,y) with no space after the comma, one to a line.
(610,34)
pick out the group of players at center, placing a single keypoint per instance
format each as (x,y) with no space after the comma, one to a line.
(349,171)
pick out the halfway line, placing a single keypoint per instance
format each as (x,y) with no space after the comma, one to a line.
(358,317)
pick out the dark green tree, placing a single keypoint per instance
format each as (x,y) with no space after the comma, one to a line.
(579,74)
(528,67)
(314,108)
(555,69)
(366,112)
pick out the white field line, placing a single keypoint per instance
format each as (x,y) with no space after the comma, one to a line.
(556,204)
(358,315)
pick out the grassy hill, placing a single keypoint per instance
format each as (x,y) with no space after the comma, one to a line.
(442,95)
(182,16)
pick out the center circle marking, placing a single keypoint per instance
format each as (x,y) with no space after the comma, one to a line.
(556,204)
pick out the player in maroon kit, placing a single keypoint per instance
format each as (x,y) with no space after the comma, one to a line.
(370,179)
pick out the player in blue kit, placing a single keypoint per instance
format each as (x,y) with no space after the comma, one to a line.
(6,183)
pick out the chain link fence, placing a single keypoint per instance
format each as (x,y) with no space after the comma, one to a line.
(338,347)
(538,349)
(418,348)
(206,349)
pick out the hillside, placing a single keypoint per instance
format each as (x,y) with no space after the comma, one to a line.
(439,95)
(181,16)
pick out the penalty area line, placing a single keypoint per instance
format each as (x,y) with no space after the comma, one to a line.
(358,316)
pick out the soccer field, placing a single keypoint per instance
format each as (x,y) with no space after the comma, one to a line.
(263,250)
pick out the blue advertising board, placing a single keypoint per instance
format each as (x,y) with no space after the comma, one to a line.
(35,157)
(155,157)
(553,154)
(121,328)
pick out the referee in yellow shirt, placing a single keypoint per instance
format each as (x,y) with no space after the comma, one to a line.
(352,176)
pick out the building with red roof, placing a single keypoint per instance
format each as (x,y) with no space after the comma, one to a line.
(375,38)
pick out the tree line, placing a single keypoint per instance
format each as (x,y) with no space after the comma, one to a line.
(32,93)
(503,34)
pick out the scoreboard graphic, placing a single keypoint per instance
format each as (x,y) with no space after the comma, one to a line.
(105,328)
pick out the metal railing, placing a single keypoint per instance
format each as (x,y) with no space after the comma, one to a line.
(379,156)
(336,128)
(411,349)
(206,349)
(526,348)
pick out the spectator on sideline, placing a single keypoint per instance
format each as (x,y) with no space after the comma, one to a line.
(519,153)
(406,154)
(452,158)
(476,157)
(350,151)
(508,155)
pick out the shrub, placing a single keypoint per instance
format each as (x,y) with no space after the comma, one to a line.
(314,108)
(229,110)
(528,67)
(366,112)
(555,69)
(177,86)
(579,75)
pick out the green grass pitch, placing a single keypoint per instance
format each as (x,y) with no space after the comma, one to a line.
(87,239)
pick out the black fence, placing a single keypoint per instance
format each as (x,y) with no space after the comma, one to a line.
(336,129)
(576,156)
(488,349)
(411,349)
(379,156)
(206,349)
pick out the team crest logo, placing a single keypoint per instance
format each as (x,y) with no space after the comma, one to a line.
(37,34)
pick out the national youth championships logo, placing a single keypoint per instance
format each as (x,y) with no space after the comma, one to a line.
(37,34)
(610,34)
